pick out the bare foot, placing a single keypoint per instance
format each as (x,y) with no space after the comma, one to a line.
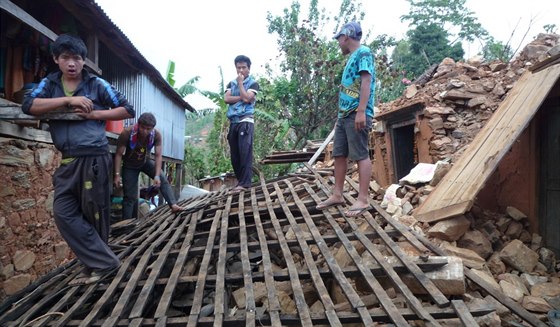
(330,202)
(176,208)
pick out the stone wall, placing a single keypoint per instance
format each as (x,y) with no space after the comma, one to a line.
(31,245)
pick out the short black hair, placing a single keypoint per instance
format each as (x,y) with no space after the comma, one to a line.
(242,58)
(70,44)
(147,119)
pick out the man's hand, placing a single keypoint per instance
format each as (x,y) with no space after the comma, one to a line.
(360,121)
(81,104)
(156,182)
(117,182)
(240,78)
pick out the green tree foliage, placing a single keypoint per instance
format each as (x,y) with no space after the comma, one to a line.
(189,87)
(550,28)
(310,65)
(449,15)
(426,45)
(497,50)
(195,164)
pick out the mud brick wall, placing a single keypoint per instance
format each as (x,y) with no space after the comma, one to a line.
(31,245)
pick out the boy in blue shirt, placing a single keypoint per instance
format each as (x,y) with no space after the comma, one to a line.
(82,184)
(355,117)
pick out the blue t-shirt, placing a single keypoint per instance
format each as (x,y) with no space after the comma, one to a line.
(360,60)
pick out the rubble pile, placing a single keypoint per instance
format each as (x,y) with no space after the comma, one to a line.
(496,246)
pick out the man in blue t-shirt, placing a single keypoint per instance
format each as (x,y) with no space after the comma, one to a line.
(355,115)
(241,94)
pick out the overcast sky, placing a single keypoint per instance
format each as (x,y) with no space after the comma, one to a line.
(201,36)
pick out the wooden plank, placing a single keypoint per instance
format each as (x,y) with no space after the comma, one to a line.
(250,306)
(499,134)
(15,113)
(444,212)
(468,175)
(50,289)
(107,298)
(452,180)
(219,299)
(463,313)
(203,270)
(145,294)
(26,18)
(25,133)
(384,299)
(63,303)
(394,277)
(321,148)
(172,282)
(78,304)
(303,309)
(310,262)
(439,298)
(462,168)
(273,303)
(545,63)
(511,127)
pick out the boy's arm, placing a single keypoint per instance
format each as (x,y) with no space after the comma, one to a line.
(245,95)
(80,104)
(118,113)
(158,159)
(121,146)
(230,99)
(365,81)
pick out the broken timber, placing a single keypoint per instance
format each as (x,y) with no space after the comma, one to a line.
(266,256)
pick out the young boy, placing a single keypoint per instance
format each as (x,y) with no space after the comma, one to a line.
(355,115)
(82,185)
(241,95)
(138,140)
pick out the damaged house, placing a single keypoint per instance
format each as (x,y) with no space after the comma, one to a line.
(496,123)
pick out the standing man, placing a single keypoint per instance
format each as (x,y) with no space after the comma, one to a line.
(82,183)
(355,115)
(240,95)
(138,140)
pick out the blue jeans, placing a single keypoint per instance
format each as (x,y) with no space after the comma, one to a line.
(130,187)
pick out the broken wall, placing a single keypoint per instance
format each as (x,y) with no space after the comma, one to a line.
(31,245)
(514,182)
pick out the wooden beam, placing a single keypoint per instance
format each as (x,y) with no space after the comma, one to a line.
(26,18)
(321,148)
(30,134)
(15,113)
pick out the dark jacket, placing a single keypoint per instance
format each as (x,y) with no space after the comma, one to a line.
(81,137)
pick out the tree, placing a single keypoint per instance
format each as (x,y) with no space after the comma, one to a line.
(426,45)
(449,15)
(497,50)
(189,87)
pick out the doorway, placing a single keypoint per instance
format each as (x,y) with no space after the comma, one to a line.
(549,204)
(402,134)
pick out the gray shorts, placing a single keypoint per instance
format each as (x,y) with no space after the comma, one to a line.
(350,143)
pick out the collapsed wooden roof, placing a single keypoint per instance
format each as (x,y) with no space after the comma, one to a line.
(264,255)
